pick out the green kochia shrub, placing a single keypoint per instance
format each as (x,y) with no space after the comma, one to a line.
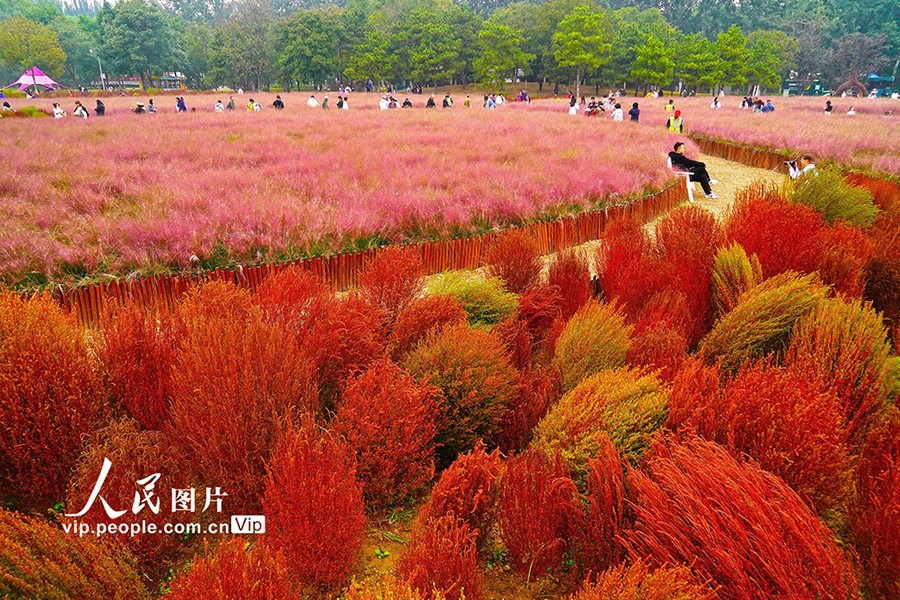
(763,319)
(826,190)
(484,299)
(595,338)
(733,273)
(472,370)
(624,405)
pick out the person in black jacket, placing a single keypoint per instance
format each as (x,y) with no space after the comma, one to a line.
(101,108)
(696,168)
(278,104)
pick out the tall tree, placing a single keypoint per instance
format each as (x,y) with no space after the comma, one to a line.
(77,40)
(309,40)
(500,54)
(242,50)
(772,55)
(195,40)
(698,62)
(139,40)
(425,42)
(25,43)
(653,63)
(583,41)
(732,48)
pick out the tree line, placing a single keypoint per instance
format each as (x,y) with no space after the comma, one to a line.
(255,44)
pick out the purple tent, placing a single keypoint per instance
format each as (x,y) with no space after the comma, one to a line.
(35,77)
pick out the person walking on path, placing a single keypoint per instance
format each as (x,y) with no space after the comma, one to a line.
(696,168)
(675,123)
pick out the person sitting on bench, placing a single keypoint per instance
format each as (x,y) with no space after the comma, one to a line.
(696,168)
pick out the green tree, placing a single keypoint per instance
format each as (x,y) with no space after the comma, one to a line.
(425,42)
(372,58)
(583,41)
(196,38)
(77,39)
(139,39)
(25,43)
(732,49)
(500,53)
(242,50)
(698,63)
(653,63)
(771,56)
(631,29)
(309,40)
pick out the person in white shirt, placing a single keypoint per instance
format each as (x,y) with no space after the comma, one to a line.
(851,112)
(384,103)
(617,114)
(801,166)
(219,106)
(346,103)
(312,102)
(58,111)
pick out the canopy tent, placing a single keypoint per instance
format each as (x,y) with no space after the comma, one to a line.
(35,77)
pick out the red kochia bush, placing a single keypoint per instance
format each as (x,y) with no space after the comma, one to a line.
(234,380)
(420,317)
(442,561)
(515,336)
(570,271)
(215,301)
(629,266)
(389,421)
(844,346)
(393,279)
(739,527)
(537,390)
(467,489)
(314,505)
(840,254)
(875,515)
(236,571)
(688,238)
(471,368)
(763,224)
(515,258)
(134,455)
(294,299)
(344,338)
(608,511)
(539,513)
(781,419)
(660,335)
(539,306)
(40,561)
(637,581)
(137,349)
(50,397)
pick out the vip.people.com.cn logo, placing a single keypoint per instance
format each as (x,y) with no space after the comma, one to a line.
(145,498)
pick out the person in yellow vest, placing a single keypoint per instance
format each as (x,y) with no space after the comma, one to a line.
(670,106)
(674,123)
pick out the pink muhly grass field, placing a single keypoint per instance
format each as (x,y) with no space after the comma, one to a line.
(867,140)
(145,193)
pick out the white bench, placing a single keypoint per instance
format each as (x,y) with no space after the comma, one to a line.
(687,180)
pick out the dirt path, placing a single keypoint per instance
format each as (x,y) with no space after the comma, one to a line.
(732,176)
